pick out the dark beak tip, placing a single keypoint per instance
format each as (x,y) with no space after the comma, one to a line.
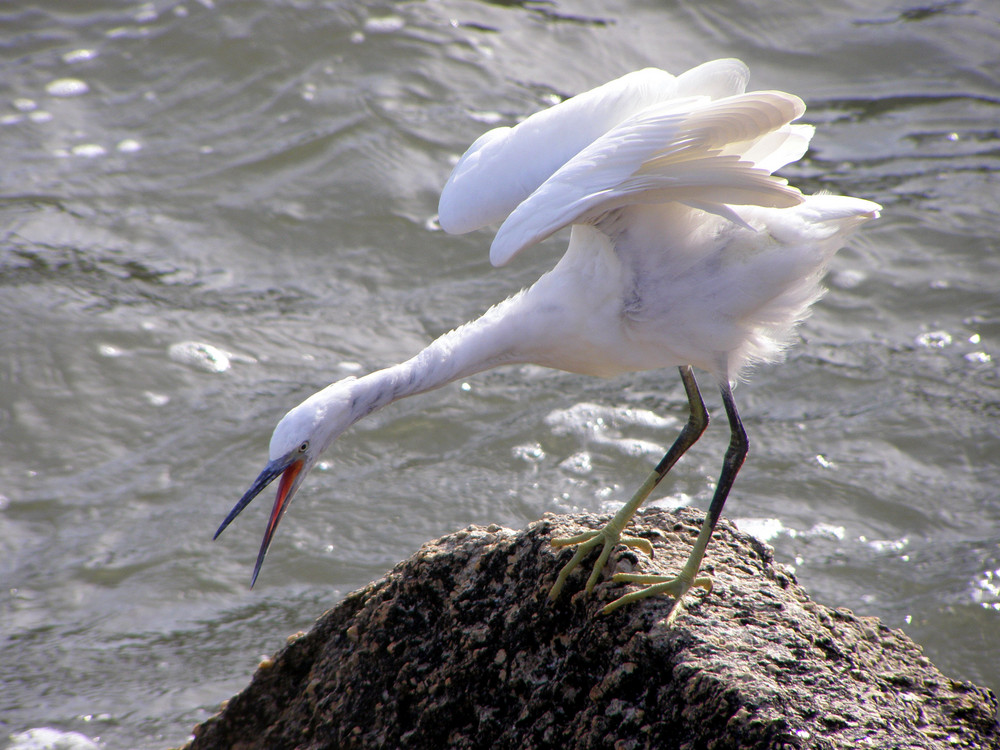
(288,472)
(265,478)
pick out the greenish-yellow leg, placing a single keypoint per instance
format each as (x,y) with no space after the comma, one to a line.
(611,534)
(677,586)
(606,538)
(654,585)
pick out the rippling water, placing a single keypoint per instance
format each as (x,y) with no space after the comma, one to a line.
(209,210)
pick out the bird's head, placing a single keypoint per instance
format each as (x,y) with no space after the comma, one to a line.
(296,444)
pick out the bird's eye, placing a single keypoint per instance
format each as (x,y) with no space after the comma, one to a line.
(304,447)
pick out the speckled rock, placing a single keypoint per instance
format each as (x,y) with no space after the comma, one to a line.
(460,647)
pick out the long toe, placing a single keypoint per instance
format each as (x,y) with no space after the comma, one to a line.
(657,585)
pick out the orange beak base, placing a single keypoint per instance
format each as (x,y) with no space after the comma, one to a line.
(286,488)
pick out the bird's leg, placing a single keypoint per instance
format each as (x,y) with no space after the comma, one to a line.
(688,578)
(611,533)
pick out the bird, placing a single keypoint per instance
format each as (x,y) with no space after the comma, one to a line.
(685,250)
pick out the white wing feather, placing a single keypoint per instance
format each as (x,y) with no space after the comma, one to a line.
(673,152)
(647,137)
(505,165)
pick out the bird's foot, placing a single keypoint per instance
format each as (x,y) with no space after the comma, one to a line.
(607,537)
(654,585)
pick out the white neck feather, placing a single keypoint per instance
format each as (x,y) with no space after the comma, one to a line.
(501,336)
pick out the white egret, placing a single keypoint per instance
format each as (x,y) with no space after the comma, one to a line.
(685,251)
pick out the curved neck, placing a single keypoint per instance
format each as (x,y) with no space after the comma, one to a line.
(496,338)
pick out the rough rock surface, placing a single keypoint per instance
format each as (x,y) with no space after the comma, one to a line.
(459,646)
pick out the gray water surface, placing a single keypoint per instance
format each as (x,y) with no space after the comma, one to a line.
(209,210)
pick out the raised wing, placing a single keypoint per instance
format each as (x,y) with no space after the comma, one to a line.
(659,156)
(645,138)
(505,165)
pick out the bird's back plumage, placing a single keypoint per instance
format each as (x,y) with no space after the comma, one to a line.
(713,257)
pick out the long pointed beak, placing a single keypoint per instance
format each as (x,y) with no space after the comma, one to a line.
(289,472)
